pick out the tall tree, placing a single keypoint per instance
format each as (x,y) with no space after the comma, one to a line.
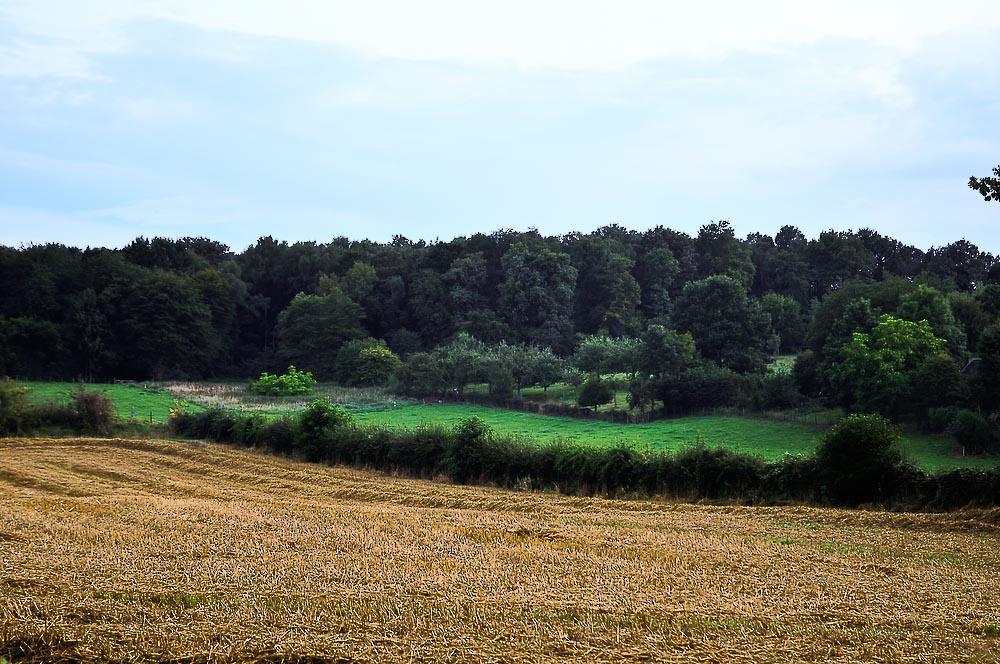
(607,295)
(536,297)
(727,325)
(314,327)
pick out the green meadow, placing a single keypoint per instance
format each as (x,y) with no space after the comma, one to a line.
(147,403)
(769,439)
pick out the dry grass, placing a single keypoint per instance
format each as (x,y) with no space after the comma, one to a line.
(150,551)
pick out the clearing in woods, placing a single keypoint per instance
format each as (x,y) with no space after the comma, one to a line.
(117,550)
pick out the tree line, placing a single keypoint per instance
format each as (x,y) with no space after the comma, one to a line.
(867,309)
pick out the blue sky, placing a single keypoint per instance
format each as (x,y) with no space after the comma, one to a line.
(309,120)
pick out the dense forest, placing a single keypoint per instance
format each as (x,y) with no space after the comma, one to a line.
(877,325)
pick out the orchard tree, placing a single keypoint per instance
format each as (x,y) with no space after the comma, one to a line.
(546,367)
(603,354)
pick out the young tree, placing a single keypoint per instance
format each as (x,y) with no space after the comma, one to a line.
(595,392)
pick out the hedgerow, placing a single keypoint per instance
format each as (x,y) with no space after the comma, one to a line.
(473,453)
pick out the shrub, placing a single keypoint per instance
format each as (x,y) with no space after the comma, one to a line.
(973,432)
(13,407)
(316,423)
(51,414)
(859,461)
(279,435)
(95,414)
(780,391)
(291,382)
(595,392)
(365,362)
(464,461)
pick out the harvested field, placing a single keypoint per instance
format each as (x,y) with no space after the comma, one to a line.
(151,551)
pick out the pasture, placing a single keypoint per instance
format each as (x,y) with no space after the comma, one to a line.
(146,551)
(767,438)
(148,402)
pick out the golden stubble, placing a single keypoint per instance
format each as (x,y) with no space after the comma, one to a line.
(156,550)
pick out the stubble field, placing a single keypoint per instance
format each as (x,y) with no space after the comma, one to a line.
(177,551)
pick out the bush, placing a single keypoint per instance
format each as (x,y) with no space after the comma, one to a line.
(859,461)
(317,422)
(292,382)
(95,414)
(595,392)
(973,432)
(367,362)
(13,407)
(51,414)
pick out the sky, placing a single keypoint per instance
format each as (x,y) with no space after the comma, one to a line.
(312,119)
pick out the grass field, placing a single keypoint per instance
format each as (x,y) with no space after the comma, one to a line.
(148,402)
(767,438)
(770,439)
(146,551)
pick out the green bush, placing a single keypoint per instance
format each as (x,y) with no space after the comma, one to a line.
(291,382)
(316,424)
(366,362)
(595,392)
(859,461)
(973,432)
(13,407)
